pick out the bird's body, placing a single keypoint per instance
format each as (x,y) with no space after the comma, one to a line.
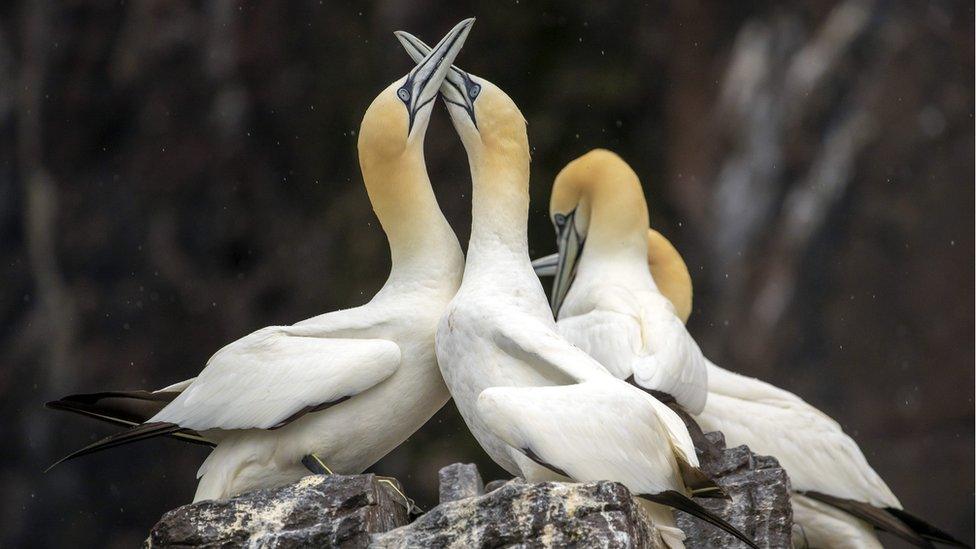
(603,293)
(388,339)
(542,408)
(838,498)
(344,387)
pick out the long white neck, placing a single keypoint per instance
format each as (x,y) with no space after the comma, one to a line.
(498,252)
(424,250)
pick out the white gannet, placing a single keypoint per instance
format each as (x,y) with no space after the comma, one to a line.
(338,391)
(607,302)
(839,498)
(542,408)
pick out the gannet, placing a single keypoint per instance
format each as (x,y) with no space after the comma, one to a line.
(839,498)
(607,302)
(338,391)
(539,406)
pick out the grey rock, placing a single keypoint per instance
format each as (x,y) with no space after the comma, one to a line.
(760,505)
(550,514)
(317,511)
(460,481)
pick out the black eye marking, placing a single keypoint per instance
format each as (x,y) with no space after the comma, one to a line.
(404,95)
(473,91)
(559,219)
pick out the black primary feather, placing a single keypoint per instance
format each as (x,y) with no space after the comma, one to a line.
(681,502)
(125,408)
(135,434)
(925,529)
(877,517)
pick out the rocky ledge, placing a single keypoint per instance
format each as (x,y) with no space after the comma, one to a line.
(359,511)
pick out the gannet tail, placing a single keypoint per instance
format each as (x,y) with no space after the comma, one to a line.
(124,408)
(681,502)
(895,521)
(141,432)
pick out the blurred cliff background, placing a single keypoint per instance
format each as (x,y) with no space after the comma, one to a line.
(175,174)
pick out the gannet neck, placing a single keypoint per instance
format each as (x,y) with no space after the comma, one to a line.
(423,247)
(499,210)
(670,273)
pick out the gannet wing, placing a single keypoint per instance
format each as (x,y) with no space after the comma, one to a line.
(724,382)
(813,449)
(671,360)
(578,431)
(654,349)
(534,344)
(275,375)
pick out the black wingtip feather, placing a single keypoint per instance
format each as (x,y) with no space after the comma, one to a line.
(925,529)
(140,432)
(897,522)
(681,502)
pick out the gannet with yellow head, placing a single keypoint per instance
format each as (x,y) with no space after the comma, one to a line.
(603,293)
(542,408)
(338,391)
(839,499)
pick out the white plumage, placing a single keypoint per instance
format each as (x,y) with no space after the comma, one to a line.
(811,446)
(542,408)
(345,387)
(605,312)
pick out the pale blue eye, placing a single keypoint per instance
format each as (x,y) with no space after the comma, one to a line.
(474,90)
(403,94)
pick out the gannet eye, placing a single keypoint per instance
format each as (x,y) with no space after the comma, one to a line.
(403,94)
(559,219)
(474,90)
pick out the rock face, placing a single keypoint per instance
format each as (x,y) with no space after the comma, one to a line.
(357,511)
(550,514)
(317,511)
(760,505)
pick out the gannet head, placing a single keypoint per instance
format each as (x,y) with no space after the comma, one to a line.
(396,121)
(598,205)
(670,273)
(489,123)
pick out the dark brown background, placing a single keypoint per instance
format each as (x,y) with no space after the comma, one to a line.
(175,174)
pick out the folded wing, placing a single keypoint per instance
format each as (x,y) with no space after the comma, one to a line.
(813,449)
(275,375)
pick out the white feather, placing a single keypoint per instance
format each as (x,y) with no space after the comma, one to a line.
(577,428)
(269,375)
(814,450)
(633,331)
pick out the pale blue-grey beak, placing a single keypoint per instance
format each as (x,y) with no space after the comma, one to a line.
(458,88)
(421,85)
(569,246)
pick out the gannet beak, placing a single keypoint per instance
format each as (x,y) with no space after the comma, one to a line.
(421,85)
(546,265)
(570,245)
(458,88)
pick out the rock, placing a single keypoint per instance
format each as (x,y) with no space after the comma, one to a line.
(760,505)
(459,481)
(357,511)
(550,514)
(317,511)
